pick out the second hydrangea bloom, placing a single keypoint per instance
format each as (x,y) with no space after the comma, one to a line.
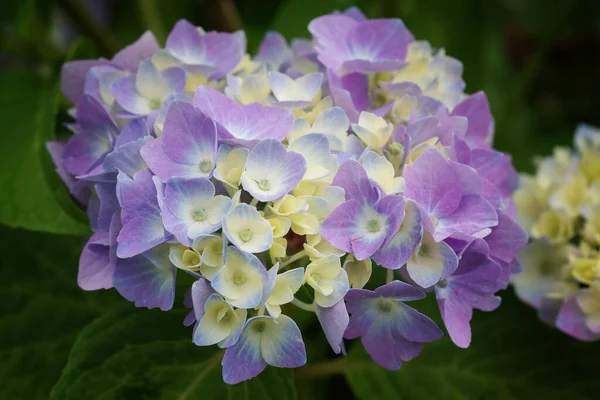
(288,180)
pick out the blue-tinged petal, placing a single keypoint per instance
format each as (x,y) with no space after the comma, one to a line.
(273,50)
(432,183)
(400,290)
(244,360)
(432,262)
(142,223)
(95,268)
(352,177)
(281,343)
(414,326)
(404,243)
(473,214)
(334,321)
(201,291)
(85,150)
(148,279)
(190,137)
(271,171)
(125,94)
(211,328)
(126,158)
(241,280)
(130,56)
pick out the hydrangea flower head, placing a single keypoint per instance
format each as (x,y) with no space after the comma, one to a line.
(289,180)
(559,206)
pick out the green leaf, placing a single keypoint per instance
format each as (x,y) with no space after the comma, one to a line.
(512,356)
(32,195)
(138,353)
(41,310)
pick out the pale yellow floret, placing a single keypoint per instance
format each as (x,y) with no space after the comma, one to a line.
(373,130)
(569,197)
(311,114)
(278,248)
(554,225)
(359,272)
(589,164)
(281,225)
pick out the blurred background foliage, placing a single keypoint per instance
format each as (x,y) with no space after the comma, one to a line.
(539,63)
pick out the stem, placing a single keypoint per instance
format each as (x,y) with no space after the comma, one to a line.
(304,306)
(254,202)
(389,275)
(151,18)
(261,311)
(337,366)
(293,258)
(88,24)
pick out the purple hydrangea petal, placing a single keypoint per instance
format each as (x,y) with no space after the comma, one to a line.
(273,50)
(189,136)
(477,110)
(95,269)
(127,158)
(400,290)
(378,46)
(473,214)
(330,33)
(142,222)
(572,321)
(244,360)
(78,189)
(388,349)
(497,168)
(432,262)
(125,94)
(401,247)
(200,292)
(86,150)
(73,76)
(352,177)
(281,343)
(147,279)
(506,239)
(109,204)
(135,129)
(432,183)
(130,57)
(334,321)
(245,123)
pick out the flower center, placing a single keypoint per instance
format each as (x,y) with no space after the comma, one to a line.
(239,278)
(396,149)
(373,225)
(442,284)
(435,220)
(155,104)
(190,258)
(259,326)
(205,166)
(246,235)
(384,305)
(264,184)
(424,250)
(199,215)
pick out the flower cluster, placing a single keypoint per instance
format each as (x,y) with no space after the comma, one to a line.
(560,208)
(287,180)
